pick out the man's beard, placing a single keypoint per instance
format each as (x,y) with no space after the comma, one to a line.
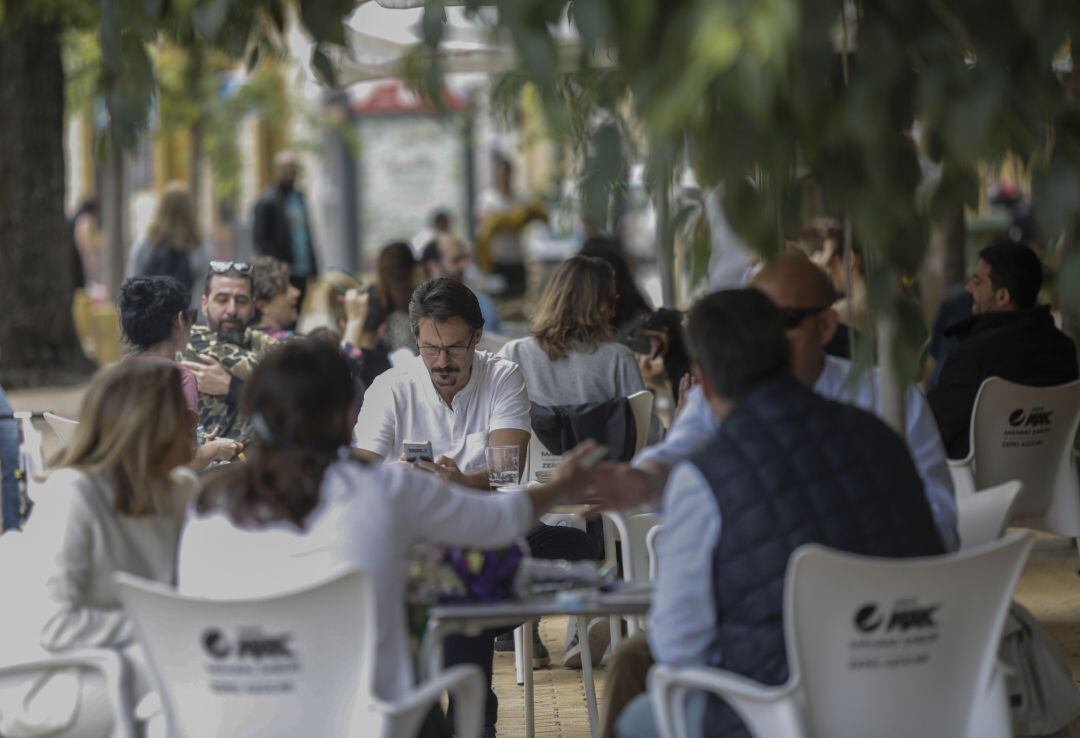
(231,335)
(447,376)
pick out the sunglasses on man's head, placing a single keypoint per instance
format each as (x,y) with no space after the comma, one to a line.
(793,317)
(224,267)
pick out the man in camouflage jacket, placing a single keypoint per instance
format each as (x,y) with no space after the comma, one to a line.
(226,340)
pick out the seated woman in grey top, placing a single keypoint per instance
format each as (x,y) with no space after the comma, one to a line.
(571,357)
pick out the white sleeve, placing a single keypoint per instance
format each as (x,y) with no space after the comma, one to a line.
(440,511)
(511,408)
(376,425)
(682,620)
(62,529)
(928,452)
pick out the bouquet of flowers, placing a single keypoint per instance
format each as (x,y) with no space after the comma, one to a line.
(448,574)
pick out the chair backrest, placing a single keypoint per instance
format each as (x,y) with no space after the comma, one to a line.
(650,546)
(542,462)
(64,428)
(1028,433)
(295,664)
(632,530)
(32,447)
(897,647)
(641,405)
(983,516)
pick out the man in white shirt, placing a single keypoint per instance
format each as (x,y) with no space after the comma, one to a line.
(461,400)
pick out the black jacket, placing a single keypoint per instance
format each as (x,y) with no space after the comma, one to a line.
(270,227)
(611,423)
(1022,346)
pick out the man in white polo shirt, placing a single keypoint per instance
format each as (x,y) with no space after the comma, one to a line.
(461,400)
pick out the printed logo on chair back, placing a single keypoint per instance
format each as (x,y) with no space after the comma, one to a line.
(248,660)
(1027,427)
(889,637)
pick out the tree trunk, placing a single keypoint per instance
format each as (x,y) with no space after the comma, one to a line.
(38,344)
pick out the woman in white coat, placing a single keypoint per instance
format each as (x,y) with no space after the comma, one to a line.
(301,508)
(114,504)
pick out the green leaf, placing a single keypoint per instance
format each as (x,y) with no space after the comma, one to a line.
(324,67)
(208,17)
(131,93)
(432,24)
(253,58)
(324,19)
(591,19)
(110,35)
(1056,189)
(277,14)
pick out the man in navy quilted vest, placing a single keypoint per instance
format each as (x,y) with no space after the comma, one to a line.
(786,467)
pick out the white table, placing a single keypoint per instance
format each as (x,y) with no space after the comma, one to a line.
(474,618)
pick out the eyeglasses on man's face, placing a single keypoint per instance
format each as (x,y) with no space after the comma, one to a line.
(456,351)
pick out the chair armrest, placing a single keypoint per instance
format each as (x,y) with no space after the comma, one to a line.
(963,477)
(990,717)
(464,682)
(767,711)
(108,663)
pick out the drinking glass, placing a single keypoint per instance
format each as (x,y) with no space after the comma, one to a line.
(502,463)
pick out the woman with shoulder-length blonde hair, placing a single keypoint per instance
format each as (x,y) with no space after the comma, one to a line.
(571,357)
(173,244)
(114,504)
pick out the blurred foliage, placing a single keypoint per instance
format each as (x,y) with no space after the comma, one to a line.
(761,96)
(133,38)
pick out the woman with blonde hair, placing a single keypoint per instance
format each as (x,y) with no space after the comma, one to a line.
(571,357)
(173,244)
(115,503)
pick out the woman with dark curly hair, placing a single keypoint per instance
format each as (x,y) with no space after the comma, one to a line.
(156,321)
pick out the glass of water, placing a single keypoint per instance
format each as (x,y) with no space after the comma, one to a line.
(502,463)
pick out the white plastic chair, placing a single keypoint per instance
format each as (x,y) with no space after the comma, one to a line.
(300,663)
(983,516)
(641,405)
(631,530)
(32,446)
(885,648)
(1026,433)
(64,428)
(650,546)
(107,663)
(31,453)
